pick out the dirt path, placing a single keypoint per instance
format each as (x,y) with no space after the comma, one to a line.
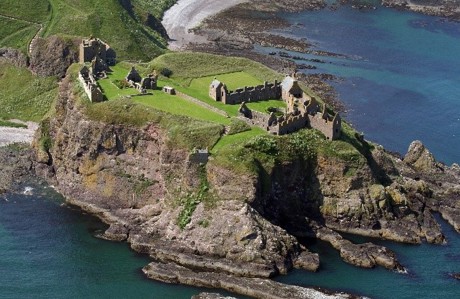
(37,34)
(10,135)
(187,14)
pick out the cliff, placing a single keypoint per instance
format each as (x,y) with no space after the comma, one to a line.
(240,217)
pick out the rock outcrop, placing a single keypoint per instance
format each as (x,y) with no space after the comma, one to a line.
(53,55)
(253,287)
(249,226)
(441,8)
(15,166)
(134,181)
(14,56)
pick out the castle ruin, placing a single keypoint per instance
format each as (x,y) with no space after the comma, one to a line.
(96,56)
(94,49)
(219,92)
(302,110)
(90,86)
(141,84)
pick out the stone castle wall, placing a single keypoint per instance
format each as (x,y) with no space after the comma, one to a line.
(267,91)
(96,48)
(263,92)
(259,119)
(90,86)
(291,124)
(328,125)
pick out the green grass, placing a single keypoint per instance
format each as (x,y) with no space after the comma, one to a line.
(33,11)
(156,8)
(182,132)
(107,19)
(16,34)
(7,123)
(186,66)
(262,106)
(179,106)
(159,100)
(257,152)
(23,95)
(233,80)
(230,140)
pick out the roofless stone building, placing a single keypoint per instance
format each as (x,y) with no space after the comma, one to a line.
(303,111)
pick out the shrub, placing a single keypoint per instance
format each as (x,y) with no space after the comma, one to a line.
(264,144)
(121,84)
(238,126)
(166,72)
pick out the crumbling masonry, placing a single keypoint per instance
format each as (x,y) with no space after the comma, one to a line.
(90,86)
(96,56)
(141,84)
(302,110)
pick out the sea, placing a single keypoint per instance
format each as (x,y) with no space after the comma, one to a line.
(400,81)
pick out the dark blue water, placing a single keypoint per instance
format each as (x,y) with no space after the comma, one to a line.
(401,71)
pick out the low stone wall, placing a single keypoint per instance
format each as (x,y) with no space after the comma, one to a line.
(291,124)
(91,88)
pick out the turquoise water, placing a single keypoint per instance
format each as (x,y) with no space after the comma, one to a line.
(401,73)
(402,82)
(428,271)
(48,251)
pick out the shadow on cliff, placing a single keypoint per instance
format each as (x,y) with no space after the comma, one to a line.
(379,173)
(289,196)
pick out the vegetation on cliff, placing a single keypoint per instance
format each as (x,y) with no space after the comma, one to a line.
(23,95)
(129,25)
(132,27)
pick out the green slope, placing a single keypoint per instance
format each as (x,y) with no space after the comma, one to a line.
(23,95)
(121,25)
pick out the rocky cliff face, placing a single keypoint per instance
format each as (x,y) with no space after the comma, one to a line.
(246,225)
(53,55)
(138,184)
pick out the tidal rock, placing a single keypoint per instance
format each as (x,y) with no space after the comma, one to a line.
(307,261)
(365,255)
(455,275)
(252,287)
(210,296)
(421,158)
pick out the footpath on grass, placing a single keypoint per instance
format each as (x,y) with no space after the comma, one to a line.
(33,41)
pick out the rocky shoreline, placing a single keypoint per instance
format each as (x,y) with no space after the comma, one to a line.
(444,8)
(388,197)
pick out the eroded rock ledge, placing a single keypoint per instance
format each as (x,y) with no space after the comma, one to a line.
(253,287)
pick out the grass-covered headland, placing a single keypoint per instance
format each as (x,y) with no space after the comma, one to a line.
(243,148)
(132,29)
